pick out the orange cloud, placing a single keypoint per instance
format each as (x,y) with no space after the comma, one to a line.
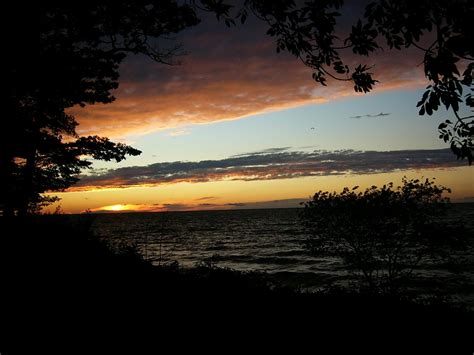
(222,82)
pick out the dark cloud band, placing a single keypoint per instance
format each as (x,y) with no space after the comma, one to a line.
(271,164)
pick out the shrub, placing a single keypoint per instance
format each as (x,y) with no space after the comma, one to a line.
(384,233)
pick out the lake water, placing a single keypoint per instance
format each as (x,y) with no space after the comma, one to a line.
(267,240)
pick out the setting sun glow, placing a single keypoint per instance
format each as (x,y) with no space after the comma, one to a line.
(115,208)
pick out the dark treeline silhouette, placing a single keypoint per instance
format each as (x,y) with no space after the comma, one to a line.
(62,55)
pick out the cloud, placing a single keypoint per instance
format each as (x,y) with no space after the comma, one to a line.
(381,114)
(263,152)
(179,132)
(280,164)
(227,75)
(206,198)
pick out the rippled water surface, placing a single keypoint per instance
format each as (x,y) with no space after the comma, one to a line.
(264,240)
(267,240)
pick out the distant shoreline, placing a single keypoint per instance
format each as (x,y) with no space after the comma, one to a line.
(216,210)
(185,211)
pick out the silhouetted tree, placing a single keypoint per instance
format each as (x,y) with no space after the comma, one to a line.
(383,233)
(63,55)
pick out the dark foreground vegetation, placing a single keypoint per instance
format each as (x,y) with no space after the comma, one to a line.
(64,288)
(385,234)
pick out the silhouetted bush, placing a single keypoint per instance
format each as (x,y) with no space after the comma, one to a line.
(382,234)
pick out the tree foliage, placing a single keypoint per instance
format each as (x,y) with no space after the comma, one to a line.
(440,29)
(383,233)
(74,60)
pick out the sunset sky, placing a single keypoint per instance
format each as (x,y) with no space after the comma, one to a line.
(237,125)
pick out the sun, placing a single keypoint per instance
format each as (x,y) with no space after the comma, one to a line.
(118,207)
